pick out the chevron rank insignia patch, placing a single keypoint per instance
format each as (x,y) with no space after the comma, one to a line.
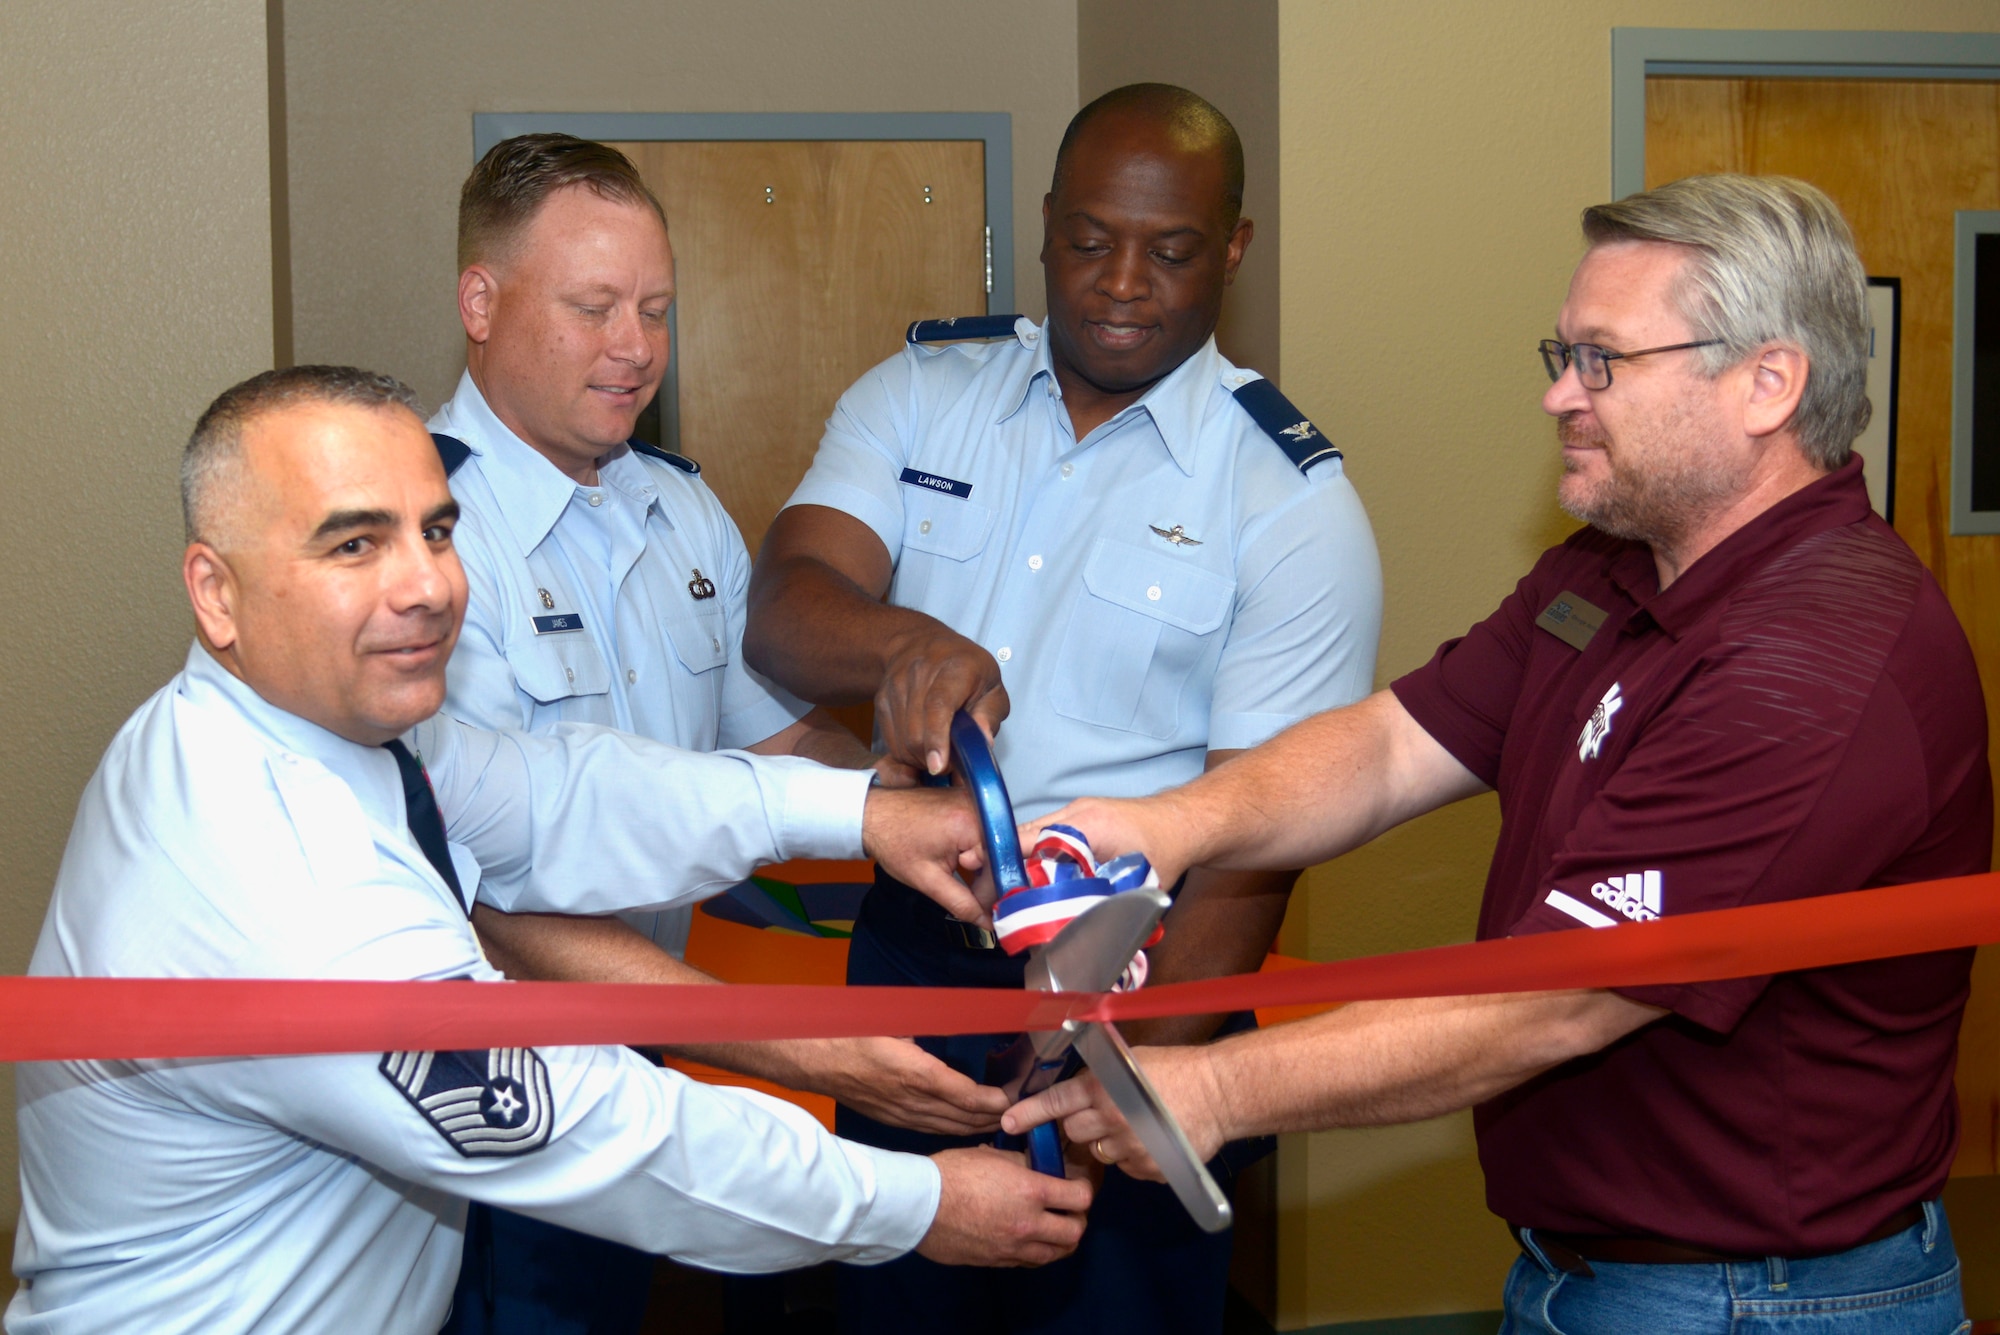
(486,1104)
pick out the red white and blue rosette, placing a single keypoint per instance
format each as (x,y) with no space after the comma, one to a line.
(1064,881)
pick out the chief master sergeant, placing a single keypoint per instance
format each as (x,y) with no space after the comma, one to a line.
(606,585)
(265,815)
(1144,551)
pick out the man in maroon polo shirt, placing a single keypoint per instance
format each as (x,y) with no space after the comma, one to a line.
(1736,685)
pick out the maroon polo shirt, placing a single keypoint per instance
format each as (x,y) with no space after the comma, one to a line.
(1797,715)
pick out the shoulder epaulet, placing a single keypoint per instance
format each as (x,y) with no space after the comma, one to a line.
(452,452)
(680,461)
(961,326)
(1301,441)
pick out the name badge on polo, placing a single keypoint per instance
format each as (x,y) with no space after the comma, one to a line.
(559,624)
(950,486)
(1571,620)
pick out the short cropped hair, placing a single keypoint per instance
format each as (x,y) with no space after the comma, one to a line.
(211,465)
(1772,259)
(1190,117)
(517,176)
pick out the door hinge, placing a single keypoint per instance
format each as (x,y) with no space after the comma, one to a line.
(989,261)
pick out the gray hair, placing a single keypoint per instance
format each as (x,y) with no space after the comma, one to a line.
(212,464)
(1772,261)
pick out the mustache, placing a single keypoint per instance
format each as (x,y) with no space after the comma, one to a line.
(1571,431)
(417,631)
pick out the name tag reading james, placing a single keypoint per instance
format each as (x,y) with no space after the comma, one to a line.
(558,624)
(1571,619)
(950,486)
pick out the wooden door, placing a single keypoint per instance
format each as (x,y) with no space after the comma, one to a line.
(799,264)
(1899,158)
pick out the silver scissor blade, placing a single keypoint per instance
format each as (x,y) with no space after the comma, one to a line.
(1111,1062)
(1087,955)
(1090,953)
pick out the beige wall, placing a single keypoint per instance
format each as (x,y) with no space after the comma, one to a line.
(135,274)
(1228,54)
(382,95)
(1435,158)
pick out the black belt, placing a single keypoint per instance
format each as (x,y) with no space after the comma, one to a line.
(1572,1253)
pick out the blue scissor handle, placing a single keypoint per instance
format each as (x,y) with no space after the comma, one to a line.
(972,757)
(1043,1146)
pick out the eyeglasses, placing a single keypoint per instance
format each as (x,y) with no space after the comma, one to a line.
(1593,364)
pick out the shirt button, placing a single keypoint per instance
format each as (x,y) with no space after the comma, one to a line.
(631,676)
(596,499)
(1034,563)
(1154,593)
(715,644)
(1004,654)
(924,527)
(569,674)
(1068,470)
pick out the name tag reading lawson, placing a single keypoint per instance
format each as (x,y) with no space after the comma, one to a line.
(1571,619)
(558,624)
(950,486)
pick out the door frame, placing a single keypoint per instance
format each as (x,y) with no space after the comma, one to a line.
(1802,54)
(994,129)
(1772,54)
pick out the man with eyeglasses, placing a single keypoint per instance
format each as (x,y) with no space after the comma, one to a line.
(1736,685)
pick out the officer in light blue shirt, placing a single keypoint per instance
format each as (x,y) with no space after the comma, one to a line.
(266,815)
(1168,586)
(1127,555)
(607,582)
(607,586)
(618,603)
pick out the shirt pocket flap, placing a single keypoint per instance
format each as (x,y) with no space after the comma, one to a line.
(555,667)
(944,525)
(700,639)
(1156,585)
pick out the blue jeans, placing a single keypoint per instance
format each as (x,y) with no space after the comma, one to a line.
(1906,1284)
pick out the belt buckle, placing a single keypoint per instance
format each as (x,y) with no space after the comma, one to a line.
(1545,1249)
(971,935)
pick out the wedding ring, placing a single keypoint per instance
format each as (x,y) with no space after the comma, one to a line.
(1097,1152)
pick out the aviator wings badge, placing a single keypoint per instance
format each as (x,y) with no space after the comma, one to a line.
(1177,535)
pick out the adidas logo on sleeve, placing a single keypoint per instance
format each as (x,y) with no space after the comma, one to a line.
(1636,895)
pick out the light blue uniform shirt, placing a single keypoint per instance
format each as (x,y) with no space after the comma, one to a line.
(613,563)
(1127,655)
(223,837)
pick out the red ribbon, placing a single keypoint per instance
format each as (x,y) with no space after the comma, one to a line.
(48,1019)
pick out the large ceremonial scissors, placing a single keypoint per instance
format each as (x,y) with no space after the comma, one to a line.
(1088,955)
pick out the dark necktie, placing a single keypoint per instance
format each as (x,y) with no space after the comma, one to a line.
(421,808)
